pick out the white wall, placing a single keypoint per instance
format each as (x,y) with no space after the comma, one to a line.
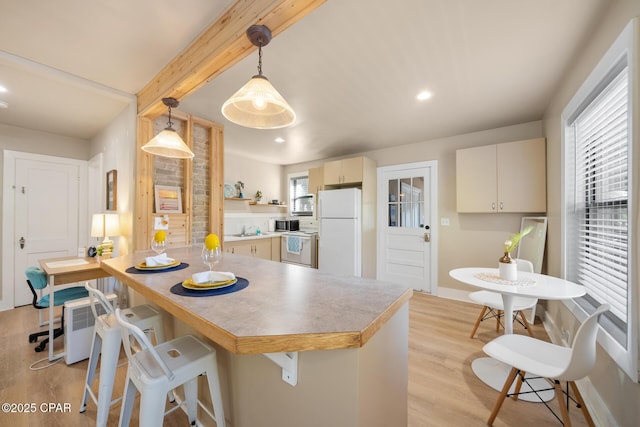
(255,174)
(117,143)
(470,239)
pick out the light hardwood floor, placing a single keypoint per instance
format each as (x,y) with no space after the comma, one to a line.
(443,391)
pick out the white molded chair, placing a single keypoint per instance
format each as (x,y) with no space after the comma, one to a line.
(106,346)
(492,302)
(154,371)
(553,362)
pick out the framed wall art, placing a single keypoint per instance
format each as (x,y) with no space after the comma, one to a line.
(112,190)
(168,199)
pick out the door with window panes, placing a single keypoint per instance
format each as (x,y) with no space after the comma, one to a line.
(405,227)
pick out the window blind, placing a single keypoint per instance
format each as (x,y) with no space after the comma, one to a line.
(601,231)
(298,187)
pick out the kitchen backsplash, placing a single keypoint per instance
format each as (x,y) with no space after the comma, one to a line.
(236,223)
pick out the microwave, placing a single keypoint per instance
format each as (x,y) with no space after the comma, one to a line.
(287,225)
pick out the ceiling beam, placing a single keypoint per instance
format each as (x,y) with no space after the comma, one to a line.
(219,47)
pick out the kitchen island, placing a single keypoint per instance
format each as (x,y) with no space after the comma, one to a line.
(348,337)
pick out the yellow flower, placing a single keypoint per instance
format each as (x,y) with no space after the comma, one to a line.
(211,242)
(160,236)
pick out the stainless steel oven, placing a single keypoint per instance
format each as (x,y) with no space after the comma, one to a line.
(298,247)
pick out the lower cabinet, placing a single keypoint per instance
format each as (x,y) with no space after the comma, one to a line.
(260,248)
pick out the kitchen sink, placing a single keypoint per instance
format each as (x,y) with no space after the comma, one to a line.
(249,234)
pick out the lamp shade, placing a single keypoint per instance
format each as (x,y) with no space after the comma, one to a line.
(97,225)
(168,144)
(111,225)
(258,105)
(104,225)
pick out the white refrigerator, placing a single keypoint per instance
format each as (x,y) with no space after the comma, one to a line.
(340,232)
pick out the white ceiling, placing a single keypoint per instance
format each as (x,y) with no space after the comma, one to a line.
(350,69)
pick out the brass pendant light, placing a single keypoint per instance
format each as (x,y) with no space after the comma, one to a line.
(168,143)
(258,104)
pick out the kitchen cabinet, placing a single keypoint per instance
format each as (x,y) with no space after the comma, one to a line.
(276,242)
(259,248)
(507,178)
(316,180)
(345,171)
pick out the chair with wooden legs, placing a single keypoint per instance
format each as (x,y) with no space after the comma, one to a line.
(550,361)
(492,306)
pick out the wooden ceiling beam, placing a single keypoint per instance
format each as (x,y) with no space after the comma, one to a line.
(219,47)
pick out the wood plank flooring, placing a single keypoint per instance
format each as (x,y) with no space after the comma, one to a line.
(443,391)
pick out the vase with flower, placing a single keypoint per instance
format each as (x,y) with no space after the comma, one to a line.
(507,266)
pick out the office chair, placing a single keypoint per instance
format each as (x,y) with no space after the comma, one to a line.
(492,302)
(550,361)
(37,281)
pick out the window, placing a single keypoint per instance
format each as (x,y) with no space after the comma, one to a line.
(598,198)
(300,200)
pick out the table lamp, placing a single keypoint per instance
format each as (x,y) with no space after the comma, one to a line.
(105,225)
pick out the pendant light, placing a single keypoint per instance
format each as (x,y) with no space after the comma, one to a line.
(258,104)
(168,143)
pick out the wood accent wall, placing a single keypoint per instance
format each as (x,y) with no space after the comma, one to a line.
(180,225)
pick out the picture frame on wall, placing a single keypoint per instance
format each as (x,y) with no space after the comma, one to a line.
(168,199)
(112,190)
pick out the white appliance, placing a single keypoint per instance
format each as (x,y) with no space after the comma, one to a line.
(298,247)
(340,239)
(78,328)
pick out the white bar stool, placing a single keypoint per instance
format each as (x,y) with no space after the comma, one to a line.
(154,371)
(106,341)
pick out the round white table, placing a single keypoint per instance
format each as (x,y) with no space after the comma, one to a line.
(541,286)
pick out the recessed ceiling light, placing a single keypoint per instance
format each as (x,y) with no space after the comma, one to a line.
(279,140)
(425,94)
(3,89)
(4,104)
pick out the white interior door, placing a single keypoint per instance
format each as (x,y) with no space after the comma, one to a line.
(407,210)
(46,200)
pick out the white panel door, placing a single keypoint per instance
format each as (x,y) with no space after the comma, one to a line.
(406,236)
(46,216)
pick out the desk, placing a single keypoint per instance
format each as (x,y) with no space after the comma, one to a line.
(490,371)
(62,271)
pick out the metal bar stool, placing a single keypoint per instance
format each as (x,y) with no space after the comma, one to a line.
(106,341)
(154,371)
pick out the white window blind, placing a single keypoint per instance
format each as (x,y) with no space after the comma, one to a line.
(600,229)
(599,237)
(298,189)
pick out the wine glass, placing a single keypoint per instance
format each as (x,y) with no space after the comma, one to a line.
(211,257)
(158,247)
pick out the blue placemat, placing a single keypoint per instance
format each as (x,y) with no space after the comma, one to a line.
(238,286)
(133,270)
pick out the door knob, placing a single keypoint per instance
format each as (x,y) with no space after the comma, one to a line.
(21,242)
(427,237)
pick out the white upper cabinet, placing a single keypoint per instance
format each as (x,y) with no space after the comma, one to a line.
(509,177)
